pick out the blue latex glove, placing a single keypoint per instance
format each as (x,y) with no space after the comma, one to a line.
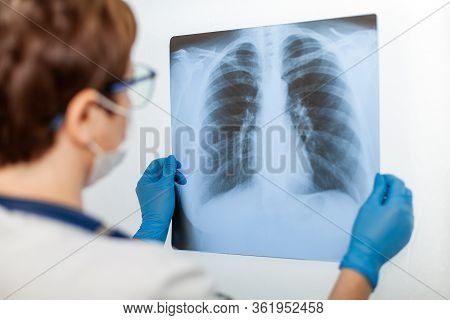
(382,228)
(156,193)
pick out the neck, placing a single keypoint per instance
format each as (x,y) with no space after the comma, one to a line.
(53,178)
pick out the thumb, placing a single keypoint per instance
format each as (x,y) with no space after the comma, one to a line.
(170,166)
(154,171)
(379,189)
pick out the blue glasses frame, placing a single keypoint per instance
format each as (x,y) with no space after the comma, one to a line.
(121,85)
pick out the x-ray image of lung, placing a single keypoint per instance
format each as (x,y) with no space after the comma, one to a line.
(277,129)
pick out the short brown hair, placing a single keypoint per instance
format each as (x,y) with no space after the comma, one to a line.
(49,51)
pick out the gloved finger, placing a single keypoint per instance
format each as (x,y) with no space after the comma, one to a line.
(154,170)
(407,211)
(404,201)
(395,187)
(395,183)
(408,193)
(154,166)
(180,178)
(379,189)
(170,166)
(179,166)
(408,200)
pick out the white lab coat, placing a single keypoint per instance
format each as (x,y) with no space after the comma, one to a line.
(42,258)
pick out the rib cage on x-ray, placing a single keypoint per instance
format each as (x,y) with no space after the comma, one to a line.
(317,103)
(232,105)
(321,113)
(277,128)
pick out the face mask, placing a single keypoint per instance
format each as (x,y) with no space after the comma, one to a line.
(106,161)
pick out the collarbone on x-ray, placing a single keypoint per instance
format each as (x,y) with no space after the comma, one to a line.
(305,82)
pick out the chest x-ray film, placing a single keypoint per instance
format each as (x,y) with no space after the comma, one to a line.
(277,129)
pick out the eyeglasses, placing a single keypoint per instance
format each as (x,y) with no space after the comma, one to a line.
(139,89)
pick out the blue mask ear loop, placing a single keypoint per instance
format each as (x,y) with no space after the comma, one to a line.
(57,122)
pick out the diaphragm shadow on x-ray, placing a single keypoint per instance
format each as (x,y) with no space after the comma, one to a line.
(277,129)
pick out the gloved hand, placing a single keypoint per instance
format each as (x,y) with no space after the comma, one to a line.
(382,228)
(156,193)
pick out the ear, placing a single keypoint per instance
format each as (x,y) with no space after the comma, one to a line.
(81,116)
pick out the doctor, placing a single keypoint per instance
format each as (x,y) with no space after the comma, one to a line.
(66,93)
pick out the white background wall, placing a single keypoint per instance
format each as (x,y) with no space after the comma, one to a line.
(415,137)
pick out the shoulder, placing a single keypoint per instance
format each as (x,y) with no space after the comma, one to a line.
(150,271)
(74,264)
